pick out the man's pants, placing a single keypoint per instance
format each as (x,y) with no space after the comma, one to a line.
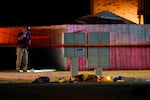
(22,58)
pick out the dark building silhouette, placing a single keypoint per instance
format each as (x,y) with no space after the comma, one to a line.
(43,13)
(144,9)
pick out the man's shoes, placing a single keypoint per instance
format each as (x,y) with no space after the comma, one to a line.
(21,70)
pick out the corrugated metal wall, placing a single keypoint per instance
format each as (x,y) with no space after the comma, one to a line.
(120,57)
(8,35)
(143,7)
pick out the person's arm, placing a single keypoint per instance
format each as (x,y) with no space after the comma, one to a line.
(28,37)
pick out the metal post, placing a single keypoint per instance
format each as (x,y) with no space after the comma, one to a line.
(98,70)
(74,67)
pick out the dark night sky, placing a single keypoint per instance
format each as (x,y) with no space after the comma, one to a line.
(43,12)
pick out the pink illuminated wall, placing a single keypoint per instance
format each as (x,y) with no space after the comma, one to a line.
(121,57)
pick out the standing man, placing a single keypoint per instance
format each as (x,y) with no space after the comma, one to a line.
(23,44)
